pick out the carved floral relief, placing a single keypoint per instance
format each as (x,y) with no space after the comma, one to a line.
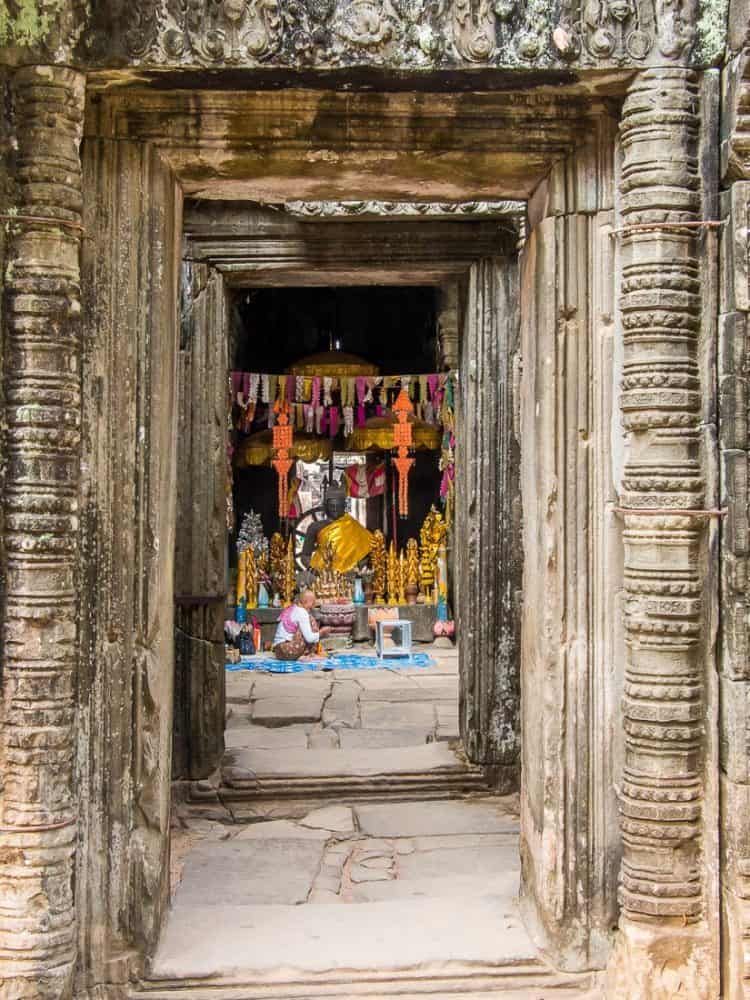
(409,33)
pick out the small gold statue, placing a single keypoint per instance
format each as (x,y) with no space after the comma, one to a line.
(290,575)
(393,575)
(252,578)
(431,535)
(412,571)
(401,578)
(378,559)
(329,585)
(278,559)
(241,577)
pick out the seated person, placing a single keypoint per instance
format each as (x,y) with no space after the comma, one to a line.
(297,633)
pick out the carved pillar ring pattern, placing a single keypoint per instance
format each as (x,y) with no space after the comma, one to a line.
(38,812)
(662,791)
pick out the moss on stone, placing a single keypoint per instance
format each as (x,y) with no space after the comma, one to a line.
(711,35)
(27,23)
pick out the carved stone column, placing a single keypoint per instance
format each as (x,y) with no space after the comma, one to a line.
(38,812)
(201,538)
(487,536)
(664,949)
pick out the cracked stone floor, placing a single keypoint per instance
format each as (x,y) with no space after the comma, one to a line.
(364,885)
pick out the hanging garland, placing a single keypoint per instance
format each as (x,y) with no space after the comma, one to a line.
(402,442)
(283,435)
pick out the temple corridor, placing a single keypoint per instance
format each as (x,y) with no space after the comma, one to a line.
(349,841)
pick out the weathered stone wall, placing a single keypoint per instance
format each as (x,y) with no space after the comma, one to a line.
(570,660)
(734,445)
(124,722)
(201,537)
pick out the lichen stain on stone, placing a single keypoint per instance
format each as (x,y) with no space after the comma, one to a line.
(31,22)
(711,31)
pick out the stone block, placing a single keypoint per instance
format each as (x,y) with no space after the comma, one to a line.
(415,692)
(734,742)
(449,886)
(337,819)
(286,711)
(323,896)
(735,496)
(321,739)
(243,872)
(360,873)
(264,738)
(435,864)
(280,829)
(415,819)
(274,764)
(397,715)
(341,708)
(291,685)
(375,739)
(238,686)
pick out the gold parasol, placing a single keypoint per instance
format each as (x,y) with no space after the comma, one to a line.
(258,448)
(376,434)
(333,363)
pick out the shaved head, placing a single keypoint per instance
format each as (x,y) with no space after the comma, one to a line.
(307,598)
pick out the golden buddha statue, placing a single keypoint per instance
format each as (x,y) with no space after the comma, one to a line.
(348,540)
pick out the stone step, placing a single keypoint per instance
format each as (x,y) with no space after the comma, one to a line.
(457,946)
(522,981)
(357,773)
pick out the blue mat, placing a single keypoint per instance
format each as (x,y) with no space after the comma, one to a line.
(338,661)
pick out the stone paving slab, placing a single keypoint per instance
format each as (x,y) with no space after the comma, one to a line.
(281,829)
(438,682)
(437,864)
(235,941)
(341,708)
(291,685)
(376,739)
(468,841)
(347,763)
(265,737)
(414,819)
(436,670)
(397,715)
(505,884)
(238,686)
(286,711)
(417,692)
(223,874)
(237,715)
(370,680)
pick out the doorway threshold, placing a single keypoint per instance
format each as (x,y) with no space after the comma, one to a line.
(363,900)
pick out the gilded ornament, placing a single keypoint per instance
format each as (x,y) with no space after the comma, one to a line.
(252,579)
(378,560)
(412,571)
(290,574)
(393,575)
(278,556)
(431,535)
(401,578)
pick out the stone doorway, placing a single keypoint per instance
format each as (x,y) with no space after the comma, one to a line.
(131,377)
(360,782)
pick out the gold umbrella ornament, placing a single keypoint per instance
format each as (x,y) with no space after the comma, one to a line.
(257,449)
(376,434)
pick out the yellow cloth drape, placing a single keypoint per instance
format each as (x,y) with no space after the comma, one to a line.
(349,540)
